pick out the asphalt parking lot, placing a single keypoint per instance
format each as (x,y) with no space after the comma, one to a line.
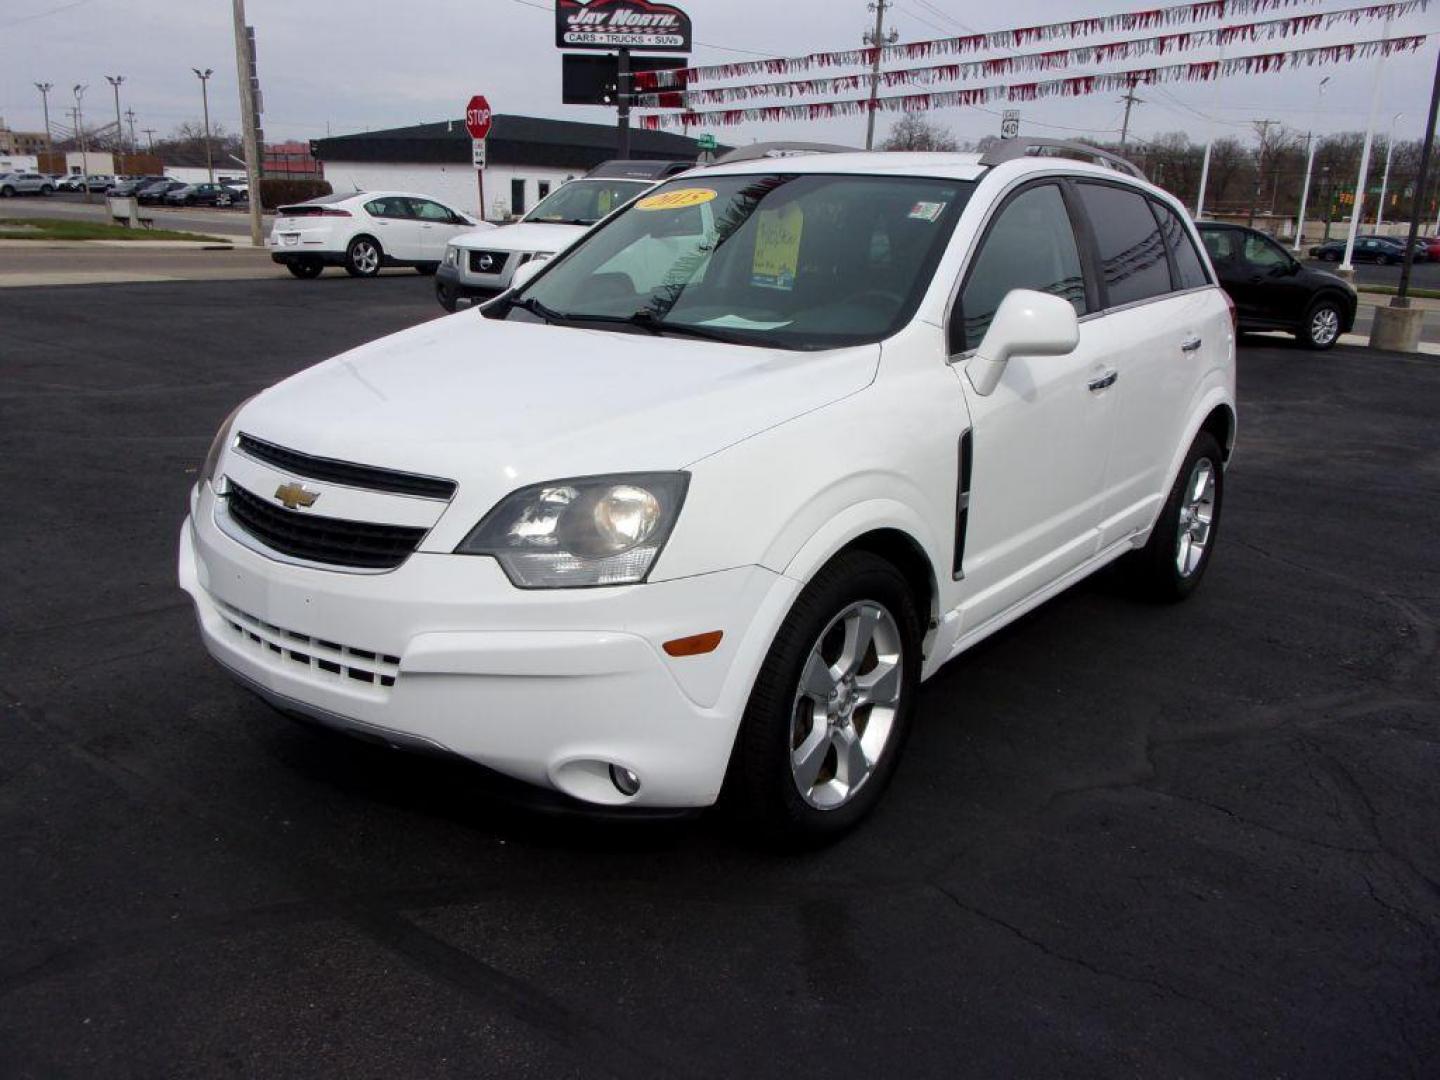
(1125,840)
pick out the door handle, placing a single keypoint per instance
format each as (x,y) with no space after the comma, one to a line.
(1105,381)
(1190,344)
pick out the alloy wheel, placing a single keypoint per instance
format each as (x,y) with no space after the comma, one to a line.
(1197,517)
(845,707)
(1324,326)
(366,258)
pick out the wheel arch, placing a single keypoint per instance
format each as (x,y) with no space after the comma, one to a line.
(1349,304)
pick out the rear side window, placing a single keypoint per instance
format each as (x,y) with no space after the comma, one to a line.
(1189,268)
(1133,263)
(1031,245)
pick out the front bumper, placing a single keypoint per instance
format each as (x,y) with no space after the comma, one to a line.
(548,687)
(450,285)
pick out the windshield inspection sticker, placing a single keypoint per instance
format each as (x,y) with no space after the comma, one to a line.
(927,211)
(777,248)
(676,200)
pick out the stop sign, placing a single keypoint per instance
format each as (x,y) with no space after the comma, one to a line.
(477,117)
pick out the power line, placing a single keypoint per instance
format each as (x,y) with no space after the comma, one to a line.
(45,14)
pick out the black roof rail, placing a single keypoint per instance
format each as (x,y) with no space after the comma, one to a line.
(757,151)
(1011,149)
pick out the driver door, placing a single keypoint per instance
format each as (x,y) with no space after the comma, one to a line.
(1040,444)
(396,228)
(437,225)
(1267,290)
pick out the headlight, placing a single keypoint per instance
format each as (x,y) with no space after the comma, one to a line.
(218,444)
(568,534)
(452,255)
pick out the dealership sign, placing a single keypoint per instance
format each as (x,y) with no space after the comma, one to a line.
(621,24)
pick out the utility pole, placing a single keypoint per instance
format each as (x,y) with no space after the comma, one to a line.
(204,77)
(876,39)
(79,91)
(115,81)
(249,116)
(624,85)
(45,88)
(1130,100)
(1264,128)
(134,143)
(150,139)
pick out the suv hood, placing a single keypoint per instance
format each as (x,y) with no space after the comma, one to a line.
(498,405)
(522,236)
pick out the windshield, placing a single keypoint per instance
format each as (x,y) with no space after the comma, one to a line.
(584,202)
(792,261)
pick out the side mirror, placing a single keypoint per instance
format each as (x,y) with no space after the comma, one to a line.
(525,272)
(1027,323)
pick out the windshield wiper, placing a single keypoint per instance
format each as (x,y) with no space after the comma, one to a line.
(648,320)
(536,308)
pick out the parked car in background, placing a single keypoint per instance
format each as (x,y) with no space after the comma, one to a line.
(1376,249)
(696,508)
(365,231)
(73,182)
(1273,291)
(204,195)
(155,192)
(25,183)
(132,185)
(98,182)
(480,265)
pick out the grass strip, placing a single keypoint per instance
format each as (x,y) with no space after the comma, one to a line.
(58,229)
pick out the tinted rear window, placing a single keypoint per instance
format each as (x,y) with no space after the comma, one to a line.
(1133,263)
(1189,267)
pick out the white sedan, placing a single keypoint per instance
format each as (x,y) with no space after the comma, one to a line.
(364,231)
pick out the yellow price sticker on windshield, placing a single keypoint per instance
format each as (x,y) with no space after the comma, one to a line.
(676,200)
(777,248)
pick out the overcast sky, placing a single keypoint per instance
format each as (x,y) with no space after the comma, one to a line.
(342,66)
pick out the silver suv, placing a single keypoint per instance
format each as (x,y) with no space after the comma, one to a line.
(25,183)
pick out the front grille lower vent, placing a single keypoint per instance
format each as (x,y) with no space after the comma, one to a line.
(345,472)
(324,659)
(360,544)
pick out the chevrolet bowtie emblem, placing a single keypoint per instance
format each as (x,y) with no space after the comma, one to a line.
(293,495)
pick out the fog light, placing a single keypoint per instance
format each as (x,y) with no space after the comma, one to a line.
(625,781)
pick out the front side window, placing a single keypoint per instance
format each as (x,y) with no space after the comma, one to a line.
(1265,254)
(585,202)
(1133,263)
(1031,245)
(1189,268)
(800,261)
(426,210)
(1220,243)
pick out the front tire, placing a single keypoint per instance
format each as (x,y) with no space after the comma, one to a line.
(1382,260)
(446,298)
(426,269)
(1321,329)
(1170,565)
(46,189)
(363,257)
(7,191)
(1331,256)
(830,710)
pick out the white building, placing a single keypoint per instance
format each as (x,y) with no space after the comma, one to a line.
(527,158)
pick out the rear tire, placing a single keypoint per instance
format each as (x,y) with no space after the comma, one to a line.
(7,191)
(46,189)
(1382,260)
(1321,329)
(1331,256)
(305,268)
(1170,565)
(831,707)
(363,257)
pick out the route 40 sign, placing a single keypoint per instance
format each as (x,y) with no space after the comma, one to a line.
(621,24)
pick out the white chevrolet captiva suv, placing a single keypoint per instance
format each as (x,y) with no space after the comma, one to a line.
(691,511)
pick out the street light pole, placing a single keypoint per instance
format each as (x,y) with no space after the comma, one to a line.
(79,91)
(1348,265)
(1309,168)
(115,81)
(45,88)
(204,77)
(1385,177)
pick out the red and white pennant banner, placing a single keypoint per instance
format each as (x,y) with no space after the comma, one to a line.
(1155,19)
(1052,60)
(1075,86)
